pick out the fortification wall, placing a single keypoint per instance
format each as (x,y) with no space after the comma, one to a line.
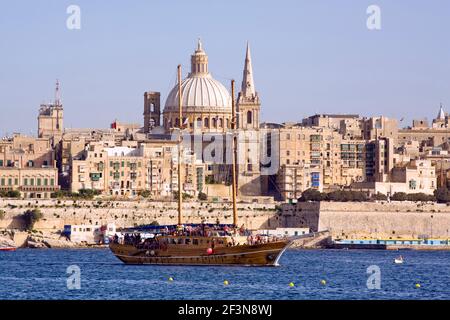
(371,220)
(343,220)
(58,213)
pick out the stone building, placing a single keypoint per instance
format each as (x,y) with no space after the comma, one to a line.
(27,165)
(127,170)
(328,159)
(416,176)
(50,119)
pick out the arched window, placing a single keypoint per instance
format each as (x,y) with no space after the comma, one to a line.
(220,123)
(206,122)
(249,117)
(214,122)
(152,107)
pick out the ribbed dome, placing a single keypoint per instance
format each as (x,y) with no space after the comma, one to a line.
(199,91)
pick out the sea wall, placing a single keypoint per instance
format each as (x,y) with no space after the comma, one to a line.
(58,213)
(343,220)
(371,220)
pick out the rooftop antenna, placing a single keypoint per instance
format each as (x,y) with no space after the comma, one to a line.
(57,94)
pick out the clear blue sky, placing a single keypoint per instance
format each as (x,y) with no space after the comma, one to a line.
(313,56)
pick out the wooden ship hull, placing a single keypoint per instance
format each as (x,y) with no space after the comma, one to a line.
(267,254)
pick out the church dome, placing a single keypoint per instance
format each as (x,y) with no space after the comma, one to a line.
(199,91)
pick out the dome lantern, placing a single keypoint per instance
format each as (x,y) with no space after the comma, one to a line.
(199,61)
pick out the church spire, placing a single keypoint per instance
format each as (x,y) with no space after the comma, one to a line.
(248,86)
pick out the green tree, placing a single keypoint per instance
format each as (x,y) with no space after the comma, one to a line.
(379,197)
(185,195)
(422,197)
(10,194)
(399,196)
(145,193)
(359,196)
(30,217)
(442,195)
(88,193)
(202,196)
(311,195)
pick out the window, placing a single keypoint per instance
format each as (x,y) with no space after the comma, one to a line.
(2,182)
(31,182)
(38,181)
(16,182)
(206,123)
(249,117)
(52,182)
(1,163)
(25,181)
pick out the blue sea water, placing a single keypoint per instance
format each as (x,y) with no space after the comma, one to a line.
(41,274)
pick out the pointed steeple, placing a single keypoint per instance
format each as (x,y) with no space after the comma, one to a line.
(248,85)
(441,114)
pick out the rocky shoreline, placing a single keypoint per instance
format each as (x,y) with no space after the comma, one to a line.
(35,240)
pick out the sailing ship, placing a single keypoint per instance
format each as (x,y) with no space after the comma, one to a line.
(204,244)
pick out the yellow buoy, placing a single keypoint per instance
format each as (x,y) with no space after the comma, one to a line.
(170,279)
(323,282)
(225,282)
(418,285)
(291,284)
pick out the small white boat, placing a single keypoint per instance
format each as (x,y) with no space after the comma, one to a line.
(398,260)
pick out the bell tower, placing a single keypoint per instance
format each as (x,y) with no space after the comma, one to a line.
(50,118)
(248,103)
(152,110)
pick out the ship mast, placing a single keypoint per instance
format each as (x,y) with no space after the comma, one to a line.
(180,126)
(233,146)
